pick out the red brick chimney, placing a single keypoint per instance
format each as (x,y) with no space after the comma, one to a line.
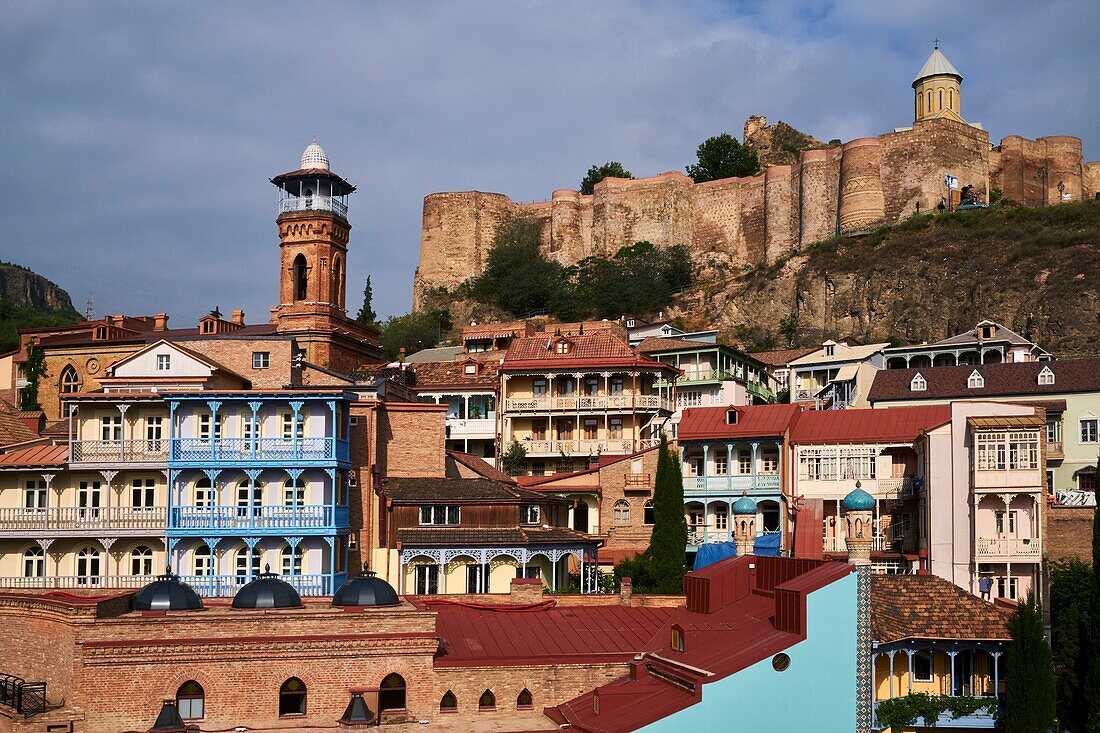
(238,317)
(626,589)
(160,322)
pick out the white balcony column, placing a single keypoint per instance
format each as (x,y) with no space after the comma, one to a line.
(755,458)
(909,653)
(466,407)
(122,408)
(48,478)
(108,477)
(729,473)
(951,689)
(706,455)
(45,543)
(108,543)
(996,657)
(890,655)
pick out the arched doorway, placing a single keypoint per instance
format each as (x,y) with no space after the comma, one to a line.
(580,516)
(391,693)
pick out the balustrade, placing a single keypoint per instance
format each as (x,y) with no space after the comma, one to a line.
(1007,547)
(585,403)
(258,449)
(205,585)
(293,517)
(19,519)
(110,451)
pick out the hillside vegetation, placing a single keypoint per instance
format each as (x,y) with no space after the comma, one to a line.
(28,300)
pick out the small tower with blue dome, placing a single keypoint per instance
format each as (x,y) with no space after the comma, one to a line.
(744,524)
(859,510)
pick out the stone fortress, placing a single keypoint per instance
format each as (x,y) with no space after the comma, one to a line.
(846,189)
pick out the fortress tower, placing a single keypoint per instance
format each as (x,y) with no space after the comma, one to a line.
(313,243)
(936,89)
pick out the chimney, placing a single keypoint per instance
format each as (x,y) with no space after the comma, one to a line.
(238,317)
(119,321)
(525,591)
(160,322)
(626,589)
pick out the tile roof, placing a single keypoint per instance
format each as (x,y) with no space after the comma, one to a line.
(1011,379)
(456,490)
(1000,333)
(492,536)
(172,334)
(781,357)
(12,428)
(452,374)
(591,349)
(893,425)
(656,343)
(702,423)
(478,635)
(929,607)
(478,465)
(38,455)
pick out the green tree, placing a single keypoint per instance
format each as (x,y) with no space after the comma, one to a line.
(33,370)
(517,277)
(610,169)
(1088,657)
(415,331)
(366,313)
(514,460)
(1029,675)
(669,540)
(722,156)
(1071,584)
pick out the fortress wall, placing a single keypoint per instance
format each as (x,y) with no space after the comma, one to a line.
(1065,164)
(780,209)
(716,217)
(819,171)
(654,209)
(914,162)
(861,198)
(1021,160)
(753,213)
(1092,179)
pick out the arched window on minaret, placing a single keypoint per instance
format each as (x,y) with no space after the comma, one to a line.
(337,281)
(301,277)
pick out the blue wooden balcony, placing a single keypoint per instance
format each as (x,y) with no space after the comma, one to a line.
(257,521)
(714,486)
(249,452)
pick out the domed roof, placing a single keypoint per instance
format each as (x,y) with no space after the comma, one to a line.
(365,589)
(744,505)
(267,590)
(858,500)
(937,65)
(314,157)
(167,593)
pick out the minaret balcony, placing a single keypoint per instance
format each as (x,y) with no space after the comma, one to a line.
(334,204)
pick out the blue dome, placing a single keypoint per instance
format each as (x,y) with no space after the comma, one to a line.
(858,500)
(744,505)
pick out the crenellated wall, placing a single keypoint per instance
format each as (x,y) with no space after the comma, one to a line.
(849,189)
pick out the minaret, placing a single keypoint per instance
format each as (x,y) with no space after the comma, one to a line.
(859,511)
(744,525)
(936,89)
(313,243)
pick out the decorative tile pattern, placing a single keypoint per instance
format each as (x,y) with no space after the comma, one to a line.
(864,677)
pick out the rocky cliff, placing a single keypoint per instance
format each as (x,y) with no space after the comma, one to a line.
(28,300)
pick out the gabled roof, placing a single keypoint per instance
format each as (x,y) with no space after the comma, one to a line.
(1001,380)
(457,491)
(1000,333)
(929,607)
(591,349)
(937,65)
(658,344)
(703,423)
(12,428)
(515,536)
(841,352)
(781,357)
(893,425)
(452,374)
(206,361)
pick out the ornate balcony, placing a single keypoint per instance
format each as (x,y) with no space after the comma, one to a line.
(476,427)
(204,451)
(586,403)
(119,451)
(21,522)
(723,485)
(279,520)
(313,203)
(1008,549)
(617,446)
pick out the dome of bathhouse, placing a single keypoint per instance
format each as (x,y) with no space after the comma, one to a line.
(267,590)
(365,589)
(167,593)
(858,500)
(314,157)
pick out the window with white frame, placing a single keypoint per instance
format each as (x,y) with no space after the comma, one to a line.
(143,494)
(858,463)
(529,514)
(248,426)
(426,579)
(435,514)
(294,493)
(1046,376)
(817,464)
(918,383)
(1006,588)
(744,461)
(1023,451)
(721,519)
(261,359)
(621,513)
(204,493)
(110,427)
(209,427)
(141,560)
(770,460)
(1006,523)
(34,563)
(202,561)
(1089,429)
(615,428)
(991,451)
(1054,429)
(922,667)
(164,362)
(293,428)
(154,431)
(975,381)
(34,496)
(1014,451)
(689,398)
(290,559)
(720,464)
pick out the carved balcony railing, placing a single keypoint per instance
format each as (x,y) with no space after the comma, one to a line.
(987,549)
(19,521)
(121,451)
(313,203)
(203,450)
(256,518)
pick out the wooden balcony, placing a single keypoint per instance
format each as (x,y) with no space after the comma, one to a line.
(77,521)
(586,403)
(119,451)
(1005,549)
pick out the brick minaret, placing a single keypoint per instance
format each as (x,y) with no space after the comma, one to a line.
(313,243)
(744,525)
(859,509)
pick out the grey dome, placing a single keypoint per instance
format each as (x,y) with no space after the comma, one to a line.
(167,593)
(365,589)
(267,590)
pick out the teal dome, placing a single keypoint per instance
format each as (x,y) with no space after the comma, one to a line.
(859,501)
(744,505)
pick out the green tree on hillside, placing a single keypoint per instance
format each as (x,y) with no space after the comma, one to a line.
(610,169)
(1071,585)
(1029,675)
(415,331)
(669,541)
(366,313)
(517,277)
(722,156)
(33,370)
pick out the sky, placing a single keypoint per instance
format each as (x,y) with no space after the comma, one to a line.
(140,137)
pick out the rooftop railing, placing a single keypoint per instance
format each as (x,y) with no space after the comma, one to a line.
(28,698)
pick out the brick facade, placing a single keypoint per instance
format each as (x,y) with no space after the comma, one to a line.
(1068,533)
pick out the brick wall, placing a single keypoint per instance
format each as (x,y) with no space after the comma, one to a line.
(412,437)
(1069,533)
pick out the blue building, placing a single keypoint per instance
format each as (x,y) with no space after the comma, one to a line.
(257,479)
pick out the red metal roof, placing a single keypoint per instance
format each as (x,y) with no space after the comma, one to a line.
(702,423)
(39,455)
(892,425)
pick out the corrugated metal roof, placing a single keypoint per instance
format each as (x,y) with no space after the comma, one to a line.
(39,455)
(702,423)
(1012,378)
(893,425)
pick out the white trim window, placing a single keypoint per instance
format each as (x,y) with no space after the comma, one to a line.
(208,426)
(164,364)
(991,451)
(426,580)
(918,383)
(530,514)
(858,463)
(440,514)
(202,560)
(1089,428)
(143,494)
(621,513)
(1023,451)
(292,430)
(817,464)
(1046,377)
(975,381)
(248,426)
(110,428)
(261,359)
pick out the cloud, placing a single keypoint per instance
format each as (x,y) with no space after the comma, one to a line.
(141,136)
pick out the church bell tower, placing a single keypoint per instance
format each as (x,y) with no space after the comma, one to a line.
(313,245)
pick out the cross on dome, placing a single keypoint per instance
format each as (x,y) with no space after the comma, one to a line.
(314,157)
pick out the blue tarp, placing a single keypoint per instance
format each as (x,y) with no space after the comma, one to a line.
(767,544)
(712,552)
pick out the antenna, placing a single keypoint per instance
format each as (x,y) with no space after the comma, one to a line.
(89,308)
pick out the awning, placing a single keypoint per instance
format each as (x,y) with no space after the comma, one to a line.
(846,373)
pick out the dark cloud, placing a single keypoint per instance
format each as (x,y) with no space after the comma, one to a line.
(140,136)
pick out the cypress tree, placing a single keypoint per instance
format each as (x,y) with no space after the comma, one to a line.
(669,541)
(1029,674)
(366,313)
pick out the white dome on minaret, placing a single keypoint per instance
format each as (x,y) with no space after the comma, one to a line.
(314,157)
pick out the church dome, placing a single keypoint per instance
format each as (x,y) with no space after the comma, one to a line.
(167,593)
(937,65)
(365,589)
(744,505)
(267,590)
(314,157)
(858,500)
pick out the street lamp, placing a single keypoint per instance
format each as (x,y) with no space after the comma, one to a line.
(1061,190)
(1043,174)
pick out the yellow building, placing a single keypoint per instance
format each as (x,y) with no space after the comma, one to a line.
(936,90)
(930,636)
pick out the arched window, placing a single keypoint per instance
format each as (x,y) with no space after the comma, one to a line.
(204,493)
(622,513)
(929,101)
(191,700)
(301,277)
(647,512)
(87,566)
(448,703)
(291,559)
(141,561)
(241,562)
(292,697)
(487,701)
(34,563)
(951,98)
(337,276)
(294,493)
(941,99)
(524,700)
(202,560)
(391,693)
(70,380)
